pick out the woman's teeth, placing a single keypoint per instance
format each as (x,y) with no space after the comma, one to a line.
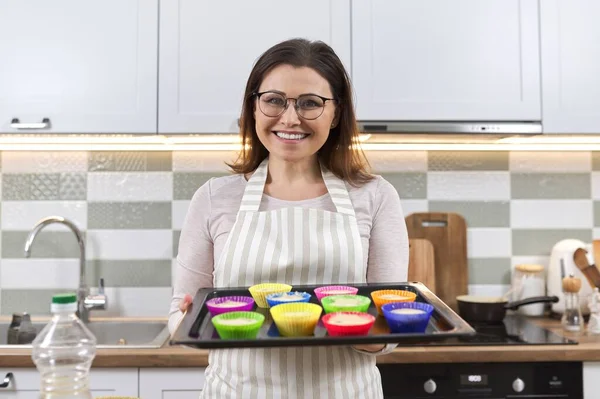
(291,136)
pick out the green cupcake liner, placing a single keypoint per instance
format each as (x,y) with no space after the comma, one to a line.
(245,331)
(333,303)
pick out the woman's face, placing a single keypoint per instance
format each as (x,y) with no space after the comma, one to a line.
(289,136)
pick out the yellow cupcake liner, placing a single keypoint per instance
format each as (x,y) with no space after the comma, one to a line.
(296,319)
(260,291)
(407,296)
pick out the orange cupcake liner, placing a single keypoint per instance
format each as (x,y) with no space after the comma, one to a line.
(380,297)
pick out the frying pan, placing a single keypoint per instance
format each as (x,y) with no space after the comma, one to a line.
(493,309)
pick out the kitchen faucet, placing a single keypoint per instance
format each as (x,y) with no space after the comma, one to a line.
(85,301)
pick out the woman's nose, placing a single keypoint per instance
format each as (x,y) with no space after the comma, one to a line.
(290,115)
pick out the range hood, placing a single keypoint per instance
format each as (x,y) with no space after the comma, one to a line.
(451,127)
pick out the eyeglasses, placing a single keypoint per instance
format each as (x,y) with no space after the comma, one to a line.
(308,106)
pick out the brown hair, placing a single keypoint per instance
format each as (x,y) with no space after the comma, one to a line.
(338,154)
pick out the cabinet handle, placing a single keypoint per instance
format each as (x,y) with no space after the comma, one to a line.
(16,124)
(7,380)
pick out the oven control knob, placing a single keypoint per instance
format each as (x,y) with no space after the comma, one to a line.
(430,386)
(518,385)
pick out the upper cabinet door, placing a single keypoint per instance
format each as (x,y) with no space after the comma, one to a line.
(208,48)
(446,60)
(570,66)
(71,66)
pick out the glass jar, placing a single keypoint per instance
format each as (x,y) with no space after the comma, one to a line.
(529,281)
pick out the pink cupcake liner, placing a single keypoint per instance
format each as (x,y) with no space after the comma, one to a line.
(328,290)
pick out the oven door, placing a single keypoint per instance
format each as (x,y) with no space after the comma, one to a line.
(482,380)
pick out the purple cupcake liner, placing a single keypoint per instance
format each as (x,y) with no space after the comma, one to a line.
(407,323)
(246,304)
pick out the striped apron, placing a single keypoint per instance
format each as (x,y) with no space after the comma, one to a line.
(295,246)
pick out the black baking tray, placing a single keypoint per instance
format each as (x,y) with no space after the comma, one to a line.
(196,329)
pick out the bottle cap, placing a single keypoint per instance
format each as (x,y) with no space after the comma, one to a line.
(64,298)
(571,284)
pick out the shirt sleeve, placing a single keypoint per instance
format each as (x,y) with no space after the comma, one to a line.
(388,245)
(195,259)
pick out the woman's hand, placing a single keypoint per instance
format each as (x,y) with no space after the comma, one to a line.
(369,347)
(185,303)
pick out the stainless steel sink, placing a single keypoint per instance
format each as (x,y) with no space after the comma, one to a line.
(111,334)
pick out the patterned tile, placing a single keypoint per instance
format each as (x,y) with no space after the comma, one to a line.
(539,242)
(550,185)
(595,160)
(129,273)
(44,186)
(207,162)
(397,161)
(489,270)
(555,161)
(130,161)
(129,215)
(410,185)
(72,186)
(44,162)
(185,184)
(468,186)
(130,186)
(468,160)
(477,213)
(47,244)
(16,187)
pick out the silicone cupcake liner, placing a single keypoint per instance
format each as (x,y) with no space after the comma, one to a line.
(260,291)
(246,331)
(407,296)
(281,298)
(333,303)
(407,323)
(328,290)
(296,319)
(246,303)
(355,329)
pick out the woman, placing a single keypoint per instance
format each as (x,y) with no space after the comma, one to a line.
(302,209)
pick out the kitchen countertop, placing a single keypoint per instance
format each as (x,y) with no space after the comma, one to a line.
(588,349)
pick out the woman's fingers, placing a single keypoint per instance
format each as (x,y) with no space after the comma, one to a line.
(185,303)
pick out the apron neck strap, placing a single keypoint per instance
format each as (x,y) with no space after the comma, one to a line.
(256,187)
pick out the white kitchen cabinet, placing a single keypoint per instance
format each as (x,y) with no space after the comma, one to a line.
(446,60)
(70,66)
(207,49)
(591,377)
(25,382)
(570,56)
(171,383)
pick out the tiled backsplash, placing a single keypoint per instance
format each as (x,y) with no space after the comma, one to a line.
(131,206)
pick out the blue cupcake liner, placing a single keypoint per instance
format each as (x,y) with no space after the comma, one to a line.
(407,323)
(277,298)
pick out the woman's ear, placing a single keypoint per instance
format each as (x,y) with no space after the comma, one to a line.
(336,119)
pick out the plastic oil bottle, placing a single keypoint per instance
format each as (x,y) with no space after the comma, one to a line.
(63,352)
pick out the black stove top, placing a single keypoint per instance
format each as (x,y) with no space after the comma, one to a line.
(514,330)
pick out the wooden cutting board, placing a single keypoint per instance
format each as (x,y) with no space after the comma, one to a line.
(448,234)
(421,265)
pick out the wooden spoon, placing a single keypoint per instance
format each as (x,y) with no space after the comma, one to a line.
(596,248)
(591,273)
